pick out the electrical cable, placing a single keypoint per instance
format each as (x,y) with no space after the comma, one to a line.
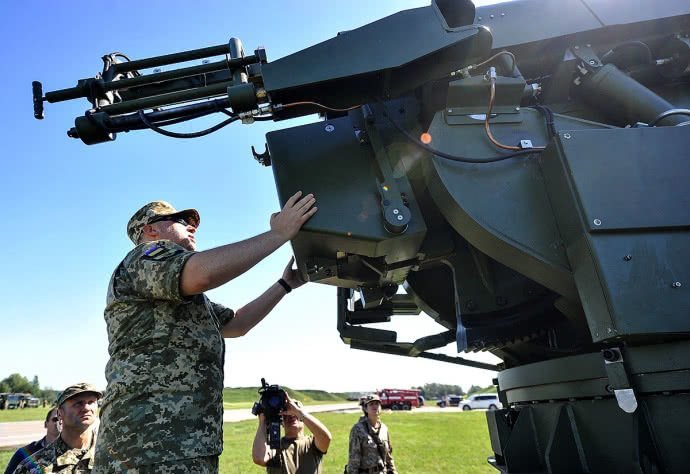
(467,69)
(666,114)
(198,134)
(448,156)
(487,128)
(293,104)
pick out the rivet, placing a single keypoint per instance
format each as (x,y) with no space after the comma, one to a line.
(400,217)
(329,128)
(676,284)
(597,222)
(396,211)
(567,136)
(627,258)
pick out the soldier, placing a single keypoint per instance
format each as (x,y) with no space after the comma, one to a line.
(73,451)
(370,444)
(298,453)
(164,401)
(52,425)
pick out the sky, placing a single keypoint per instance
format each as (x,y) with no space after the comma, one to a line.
(66,204)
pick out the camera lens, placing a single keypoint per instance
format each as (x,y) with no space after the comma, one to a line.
(275,401)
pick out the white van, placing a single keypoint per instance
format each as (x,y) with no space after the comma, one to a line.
(488,401)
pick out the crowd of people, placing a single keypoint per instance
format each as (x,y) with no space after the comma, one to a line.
(162,410)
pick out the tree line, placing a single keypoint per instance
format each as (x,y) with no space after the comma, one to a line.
(17,383)
(439,390)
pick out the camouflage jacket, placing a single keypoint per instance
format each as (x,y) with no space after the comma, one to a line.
(57,457)
(364,452)
(164,397)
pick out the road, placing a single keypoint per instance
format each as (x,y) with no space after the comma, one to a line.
(20,433)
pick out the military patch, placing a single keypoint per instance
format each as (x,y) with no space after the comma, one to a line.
(161,252)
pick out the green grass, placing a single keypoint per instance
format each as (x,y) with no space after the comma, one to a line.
(24,414)
(423,443)
(246,396)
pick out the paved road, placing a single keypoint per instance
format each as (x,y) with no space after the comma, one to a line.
(20,433)
(23,432)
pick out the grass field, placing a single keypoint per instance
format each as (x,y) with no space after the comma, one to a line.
(423,443)
(25,414)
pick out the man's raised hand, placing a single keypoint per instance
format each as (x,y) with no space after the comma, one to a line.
(295,213)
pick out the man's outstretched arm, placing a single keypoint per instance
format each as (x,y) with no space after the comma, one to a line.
(211,268)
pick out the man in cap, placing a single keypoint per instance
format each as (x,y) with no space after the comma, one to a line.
(73,450)
(52,425)
(164,401)
(297,453)
(370,444)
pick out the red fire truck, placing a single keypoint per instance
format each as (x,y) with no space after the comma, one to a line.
(400,399)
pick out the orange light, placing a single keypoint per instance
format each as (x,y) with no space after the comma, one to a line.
(425,138)
(385,187)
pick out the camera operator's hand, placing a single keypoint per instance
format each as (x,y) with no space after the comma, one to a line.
(291,408)
(292,276)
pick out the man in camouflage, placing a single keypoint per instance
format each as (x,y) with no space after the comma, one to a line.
(163,408)
(73,451)
(370,444)
(298,453)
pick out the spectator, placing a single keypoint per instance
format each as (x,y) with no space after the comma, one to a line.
(73,450)
(52,425)
(370,444)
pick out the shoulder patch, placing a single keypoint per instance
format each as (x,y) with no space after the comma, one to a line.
(160,251)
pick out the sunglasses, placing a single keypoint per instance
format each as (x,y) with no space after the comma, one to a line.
(178,220)
(55,419)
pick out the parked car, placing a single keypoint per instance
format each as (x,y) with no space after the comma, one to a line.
(32,402)
(14,400)
(449,401)
(488,401)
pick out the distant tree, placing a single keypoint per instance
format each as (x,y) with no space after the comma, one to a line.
(18,384)
(437,390)
(474,389)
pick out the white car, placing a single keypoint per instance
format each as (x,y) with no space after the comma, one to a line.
(488,401)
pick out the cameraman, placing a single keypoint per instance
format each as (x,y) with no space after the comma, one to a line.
(298,454)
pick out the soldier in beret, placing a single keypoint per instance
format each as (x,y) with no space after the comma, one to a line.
(73,451)
(370,444)
(163,407)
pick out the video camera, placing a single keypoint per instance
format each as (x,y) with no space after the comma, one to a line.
(273,400)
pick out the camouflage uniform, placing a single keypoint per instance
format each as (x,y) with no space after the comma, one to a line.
(364,454)
(164,401)
(57,457)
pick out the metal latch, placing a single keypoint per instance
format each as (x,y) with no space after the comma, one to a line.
(618,379)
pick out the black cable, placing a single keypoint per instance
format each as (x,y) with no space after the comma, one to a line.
(448,156)
(668,113)
(548,118)
(201,133)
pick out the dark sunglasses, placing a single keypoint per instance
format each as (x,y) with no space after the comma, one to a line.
(176,219)
(55,419)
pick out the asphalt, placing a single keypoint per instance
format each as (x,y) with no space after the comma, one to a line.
(20,433)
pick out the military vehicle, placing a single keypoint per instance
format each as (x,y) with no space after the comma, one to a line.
(521,170)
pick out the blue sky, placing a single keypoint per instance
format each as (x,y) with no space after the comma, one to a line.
(66,204)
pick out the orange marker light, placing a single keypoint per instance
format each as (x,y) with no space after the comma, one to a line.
(425,138)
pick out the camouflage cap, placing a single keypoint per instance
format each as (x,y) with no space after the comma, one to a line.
(371,398)
(154,209)
(76,389)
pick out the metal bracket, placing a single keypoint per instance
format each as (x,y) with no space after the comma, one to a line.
(587,62)
(618,379)
(396,215)
(263,158)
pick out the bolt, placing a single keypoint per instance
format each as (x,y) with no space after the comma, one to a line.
(592,62)
(676,284)
(577,47)
(396,211)
(610,355)
(400,217)
(567,136)
(597,222)
(491,16)
(329,128)
(503,14)
(450,111)
(627,258)
(517,109)
(480,18)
